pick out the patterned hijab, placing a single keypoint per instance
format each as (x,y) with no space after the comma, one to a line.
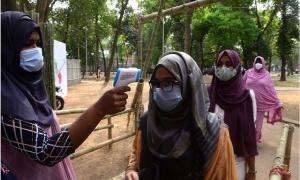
(169,135)
(23,93)
(260,81)
(234,98)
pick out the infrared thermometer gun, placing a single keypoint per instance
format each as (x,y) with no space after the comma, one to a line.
(125,76)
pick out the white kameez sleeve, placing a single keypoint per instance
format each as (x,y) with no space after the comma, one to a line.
(252,94)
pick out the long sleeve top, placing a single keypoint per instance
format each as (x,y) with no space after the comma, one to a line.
(33,141)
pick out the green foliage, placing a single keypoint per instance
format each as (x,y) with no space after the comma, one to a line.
(220,27)
(288,31)
(76,23)
(232,24)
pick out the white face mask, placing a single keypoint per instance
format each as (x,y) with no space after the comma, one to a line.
(31,59)
(167,101)
(258,66)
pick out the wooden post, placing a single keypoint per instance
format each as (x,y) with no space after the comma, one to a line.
(48,69)
(33,15)
(109,132)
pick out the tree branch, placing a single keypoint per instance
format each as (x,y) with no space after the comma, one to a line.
(268,24)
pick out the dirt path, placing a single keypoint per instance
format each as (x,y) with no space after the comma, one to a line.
(106,162)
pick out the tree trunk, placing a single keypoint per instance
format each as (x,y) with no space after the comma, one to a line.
(8,5)
(97,41)
(282,32)
(29,6)
(153,36)
(270,63)
(290,66)
(113,49)
(188,31)
(22,5)
(103,56)
(200,54)
(283,63)
(48,9)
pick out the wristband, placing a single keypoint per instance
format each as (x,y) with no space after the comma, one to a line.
(253,172)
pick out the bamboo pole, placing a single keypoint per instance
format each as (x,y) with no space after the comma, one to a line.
(138,114)
(152,39)
(158,15)
(287,155)
(280,152)
(98,146)
(140,42)
(104,127)
(96,128)
(137,95)
(70,111)
(281,146)
(109,132)
(74,111)
(138,92)
(178,9)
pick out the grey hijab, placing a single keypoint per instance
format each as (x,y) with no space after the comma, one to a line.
(169,135)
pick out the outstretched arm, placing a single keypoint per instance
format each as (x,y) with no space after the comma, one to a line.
(111,102)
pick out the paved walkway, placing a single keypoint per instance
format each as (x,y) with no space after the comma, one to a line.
(277,88)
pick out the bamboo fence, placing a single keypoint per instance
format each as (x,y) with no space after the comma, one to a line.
(135,107)
(283,153)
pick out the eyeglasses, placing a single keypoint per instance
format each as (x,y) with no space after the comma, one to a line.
(165,85)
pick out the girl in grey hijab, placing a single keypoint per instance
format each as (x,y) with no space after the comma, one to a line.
(178,138)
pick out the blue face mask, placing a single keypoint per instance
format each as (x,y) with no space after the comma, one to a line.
(224,74)
(167,101)
(31,59)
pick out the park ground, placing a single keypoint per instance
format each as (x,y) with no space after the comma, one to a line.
(107,162)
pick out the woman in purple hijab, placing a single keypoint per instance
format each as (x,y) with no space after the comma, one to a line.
(236,106)
(32,145)
(260,81)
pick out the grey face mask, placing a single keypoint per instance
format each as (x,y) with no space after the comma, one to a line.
(31,59)
(167,101)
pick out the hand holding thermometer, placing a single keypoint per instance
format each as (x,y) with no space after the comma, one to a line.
(125,76)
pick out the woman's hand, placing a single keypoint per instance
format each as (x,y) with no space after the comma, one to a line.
(131,175)
(112,101)
(250,176)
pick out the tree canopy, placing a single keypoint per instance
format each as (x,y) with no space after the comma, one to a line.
(91,27)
